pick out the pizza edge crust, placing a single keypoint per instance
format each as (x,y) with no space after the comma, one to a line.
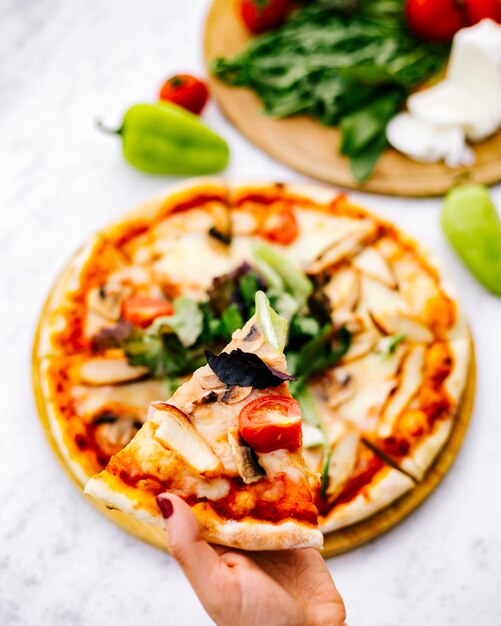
(245,535)
(377,496)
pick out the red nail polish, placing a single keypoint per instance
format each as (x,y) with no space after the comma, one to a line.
(165,506)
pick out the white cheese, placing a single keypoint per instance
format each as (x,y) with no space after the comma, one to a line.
(466,104)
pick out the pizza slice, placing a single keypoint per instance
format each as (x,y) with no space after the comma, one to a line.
(229,442)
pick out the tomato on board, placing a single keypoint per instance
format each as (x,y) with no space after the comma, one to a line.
(439,20)
(280,224)
(186,91)
(271,423)
(142,310)
(262,15)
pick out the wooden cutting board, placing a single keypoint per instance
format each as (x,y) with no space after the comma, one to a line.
(336,542)
(312,149)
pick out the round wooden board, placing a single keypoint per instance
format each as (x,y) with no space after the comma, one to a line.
(312,149)
(336,542)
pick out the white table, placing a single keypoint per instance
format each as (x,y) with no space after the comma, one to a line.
(61,563)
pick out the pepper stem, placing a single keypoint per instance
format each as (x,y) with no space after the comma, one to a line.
(106,129)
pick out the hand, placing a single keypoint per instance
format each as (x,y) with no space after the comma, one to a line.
(237,588)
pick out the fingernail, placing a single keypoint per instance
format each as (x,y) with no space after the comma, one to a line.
(165,506)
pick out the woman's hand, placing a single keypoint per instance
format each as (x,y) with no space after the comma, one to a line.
(236,588)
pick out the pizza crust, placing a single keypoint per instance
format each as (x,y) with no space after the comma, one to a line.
(244,534)
(388,488)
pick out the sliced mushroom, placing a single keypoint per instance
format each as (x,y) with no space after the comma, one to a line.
(340,387)
(106,371)
(222,228)
(254,339)
(211,382)
(372,263)
(346,247)
(410,380)
(399,323)
(105,302)
(113,432)
(245,460)
(236,394)
(176,432)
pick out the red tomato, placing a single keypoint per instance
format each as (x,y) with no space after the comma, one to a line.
(261,15)
(437,20)
(186,91)
(477,10)
(280,225)
(142,310)
(271,423)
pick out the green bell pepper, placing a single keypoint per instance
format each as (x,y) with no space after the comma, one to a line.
(472,226)
(166,139)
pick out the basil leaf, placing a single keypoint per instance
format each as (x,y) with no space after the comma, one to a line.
(245,369)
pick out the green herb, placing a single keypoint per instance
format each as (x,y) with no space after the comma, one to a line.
(186,322)
(294,279)
(311,416)
(272,326)
(393,341)
(344,62)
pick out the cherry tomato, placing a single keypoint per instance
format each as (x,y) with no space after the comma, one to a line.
(477,10)
(262,15)
(271,423)
(280,224)
(141,310)
(186,91)
(437,20)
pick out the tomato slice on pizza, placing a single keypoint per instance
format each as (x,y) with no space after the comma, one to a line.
(229,442)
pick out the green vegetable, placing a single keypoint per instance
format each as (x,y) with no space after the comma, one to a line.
(310,415)
(166,139)
(391,343)
(471,224)
(294,279)
(347,63)
(186,321)
(273,327)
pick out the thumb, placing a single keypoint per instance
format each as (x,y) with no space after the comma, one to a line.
(196,557)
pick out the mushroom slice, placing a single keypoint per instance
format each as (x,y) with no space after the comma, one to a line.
(342,462)
(113,432)
(346,247)
(340,387)
(236,394)
(372,263)
(176,432)
(105,302)
(411,378)
(247,465)
(222,227)
(399,323)
(103,371)
(211,382)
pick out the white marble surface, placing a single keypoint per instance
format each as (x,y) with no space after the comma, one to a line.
(61,563)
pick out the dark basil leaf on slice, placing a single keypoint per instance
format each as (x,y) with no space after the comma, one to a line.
(244,369)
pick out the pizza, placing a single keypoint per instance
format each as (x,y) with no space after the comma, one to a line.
(229,442)
(377,341)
